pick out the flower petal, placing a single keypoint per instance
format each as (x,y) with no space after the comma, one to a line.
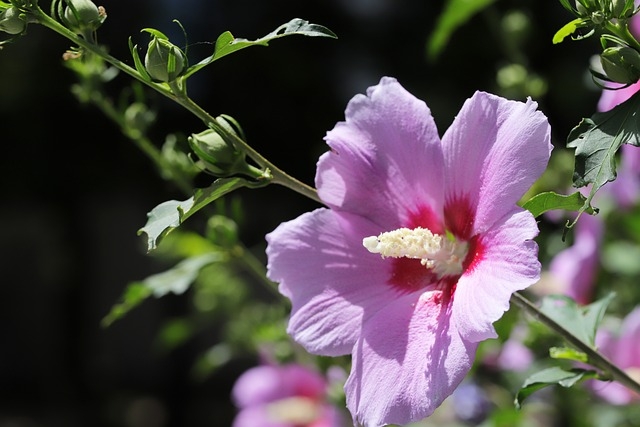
(328,275)
(509,263)
(408,360)
(494,151)
(385,160)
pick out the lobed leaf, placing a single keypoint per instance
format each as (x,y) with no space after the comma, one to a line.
(548,201)
(454,15)
(227,44)
(170,214)
(597,139)
(568,29)
(581,321)
(551,376)
(175,280)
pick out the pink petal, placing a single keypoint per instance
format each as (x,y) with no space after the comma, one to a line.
(408,360)
(330,278)
(509,263)
(627,353)
(258,416)
(385,160)
(612,97)
(494,151)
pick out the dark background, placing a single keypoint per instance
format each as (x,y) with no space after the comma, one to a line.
(75,191)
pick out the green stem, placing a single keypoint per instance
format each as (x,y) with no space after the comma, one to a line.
(595,358)
(278,176)
(622,30)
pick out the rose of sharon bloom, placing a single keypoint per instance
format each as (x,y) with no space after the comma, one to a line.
(420,248)
(624,351)
(283,396)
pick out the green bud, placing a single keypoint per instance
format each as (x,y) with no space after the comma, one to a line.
(83,16)
(621,64)
(164,61)
(219,157)
(11,22)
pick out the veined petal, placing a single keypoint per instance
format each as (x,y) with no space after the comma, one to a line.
(385,159)
(509,263)
(322,267)
(407,361)
(494,151)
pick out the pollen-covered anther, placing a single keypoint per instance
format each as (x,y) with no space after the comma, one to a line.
(443,255)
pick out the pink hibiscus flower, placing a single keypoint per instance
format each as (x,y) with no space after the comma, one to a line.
(624,351)
(283,396)
(420,249)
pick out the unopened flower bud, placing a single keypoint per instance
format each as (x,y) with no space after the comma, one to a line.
(83,16)
(218,156)
(164,61)
(11,22)
(621,64)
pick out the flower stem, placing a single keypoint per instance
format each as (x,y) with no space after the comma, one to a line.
(595,357)
(278,176)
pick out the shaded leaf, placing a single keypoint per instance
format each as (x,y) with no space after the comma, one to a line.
(551,376)
(226,43)
(175,280)
(597,139)
(548,201)
(581,322)
(170,214)
(454,15)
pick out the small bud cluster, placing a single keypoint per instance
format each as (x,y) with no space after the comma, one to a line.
(12,21)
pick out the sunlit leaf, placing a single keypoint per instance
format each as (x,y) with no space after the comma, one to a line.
(597,139)
(568,29)
(548,201)
(551,376)
(454,15)
(567,353)
(227,43)
(169,215)
(581,321)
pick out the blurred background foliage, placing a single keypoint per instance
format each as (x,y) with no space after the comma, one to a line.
(75,192)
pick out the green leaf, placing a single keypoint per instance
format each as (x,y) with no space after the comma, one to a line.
(551,376)
(134,295)
(581,322)
(548,201)
(170,214)
(226,43)
(454,15)
(568,29)
(175,280)
(597,140)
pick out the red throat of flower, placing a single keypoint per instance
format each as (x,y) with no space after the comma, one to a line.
(426,254)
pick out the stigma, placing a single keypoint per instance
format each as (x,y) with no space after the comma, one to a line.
(443,255)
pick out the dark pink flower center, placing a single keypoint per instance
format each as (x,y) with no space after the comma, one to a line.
(410,275)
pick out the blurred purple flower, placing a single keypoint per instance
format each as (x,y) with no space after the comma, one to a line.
(623,350)
(420,249)
(283,396)
(574,269)
(470,403)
